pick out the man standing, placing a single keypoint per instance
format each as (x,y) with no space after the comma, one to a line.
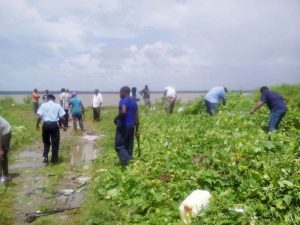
(5,136)
(64,98)
(97,102)
(50,112)
(127,122)
(76,111)
(275,103)
(45,96)
(35,100)
(213,98)
(170,94)
(146,96)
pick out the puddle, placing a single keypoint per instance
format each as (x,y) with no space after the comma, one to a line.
(82,154)
(28,159)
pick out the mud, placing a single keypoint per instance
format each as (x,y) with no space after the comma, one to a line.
(32,186)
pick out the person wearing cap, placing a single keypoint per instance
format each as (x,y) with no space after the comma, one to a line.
(213,97)
(76,108)
(50,113)
(170,94)
(96,104)
(127,122)
(45,96)
(35,100)
(5,136)
(276,105)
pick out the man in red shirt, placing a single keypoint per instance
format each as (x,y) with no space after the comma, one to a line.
(35,100)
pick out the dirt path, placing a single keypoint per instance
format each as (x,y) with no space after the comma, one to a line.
(33,179)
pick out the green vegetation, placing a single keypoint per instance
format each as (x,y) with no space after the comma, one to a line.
(22,120)
(231,155)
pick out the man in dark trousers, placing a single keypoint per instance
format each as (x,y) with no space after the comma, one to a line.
(50,112)
(5,136)
(275,103)
(127,122)
(146,96)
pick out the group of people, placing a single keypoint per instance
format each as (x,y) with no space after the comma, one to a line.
(55,115)
(169,94)
(273,100)
(127,120)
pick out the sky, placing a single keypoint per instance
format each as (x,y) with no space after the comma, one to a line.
(187,44)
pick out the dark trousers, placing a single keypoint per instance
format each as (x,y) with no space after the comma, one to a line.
(80,121)
(124,141)
(65,119)
(275,119)
(211,108)
(5,146)
(51,136)
(96,113)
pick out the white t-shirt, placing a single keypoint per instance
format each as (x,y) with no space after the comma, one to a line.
(64,98)
(4,126)
(171,93)
(97,100)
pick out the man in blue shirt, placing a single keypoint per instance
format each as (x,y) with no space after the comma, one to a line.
(50,112)
(213,98)
(127,121)
(76,111)
(275,103)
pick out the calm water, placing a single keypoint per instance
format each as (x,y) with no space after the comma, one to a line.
(110,99)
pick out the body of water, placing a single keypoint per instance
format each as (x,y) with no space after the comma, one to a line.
(110,99)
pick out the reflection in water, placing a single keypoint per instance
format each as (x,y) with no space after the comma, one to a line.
(83,154)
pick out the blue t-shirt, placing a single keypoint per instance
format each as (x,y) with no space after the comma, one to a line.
(131,110)
(273,100)
(215,95)
(76,104)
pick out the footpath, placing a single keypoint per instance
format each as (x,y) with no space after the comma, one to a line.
(41,187)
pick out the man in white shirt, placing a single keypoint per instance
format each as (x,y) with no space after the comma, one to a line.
(97,102)
(64,99)
(170,94)
(50,112)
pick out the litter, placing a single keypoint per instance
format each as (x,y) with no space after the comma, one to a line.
(193,204)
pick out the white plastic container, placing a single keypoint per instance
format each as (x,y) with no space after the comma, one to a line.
(193,204)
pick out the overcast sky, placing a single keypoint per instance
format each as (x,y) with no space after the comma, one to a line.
(188,44)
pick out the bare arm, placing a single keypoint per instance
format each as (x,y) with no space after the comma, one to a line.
(121,114)
(257,106)
(38,121)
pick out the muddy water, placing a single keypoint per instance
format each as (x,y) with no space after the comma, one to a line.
(32,186)
(28,159)
(84,152)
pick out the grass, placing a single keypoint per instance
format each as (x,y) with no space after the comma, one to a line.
(24,134)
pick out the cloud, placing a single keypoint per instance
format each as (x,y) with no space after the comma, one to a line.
(191,44)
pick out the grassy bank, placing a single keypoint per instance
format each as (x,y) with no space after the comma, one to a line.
(231,155)
(21,117)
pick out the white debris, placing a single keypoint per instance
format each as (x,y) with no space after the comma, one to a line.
(193,204)
(90,137)
(83,179)
(181,109)
(67,191)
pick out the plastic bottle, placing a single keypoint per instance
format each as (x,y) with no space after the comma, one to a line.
(193,204)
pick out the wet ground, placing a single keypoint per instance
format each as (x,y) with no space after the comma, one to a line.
(32,184)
